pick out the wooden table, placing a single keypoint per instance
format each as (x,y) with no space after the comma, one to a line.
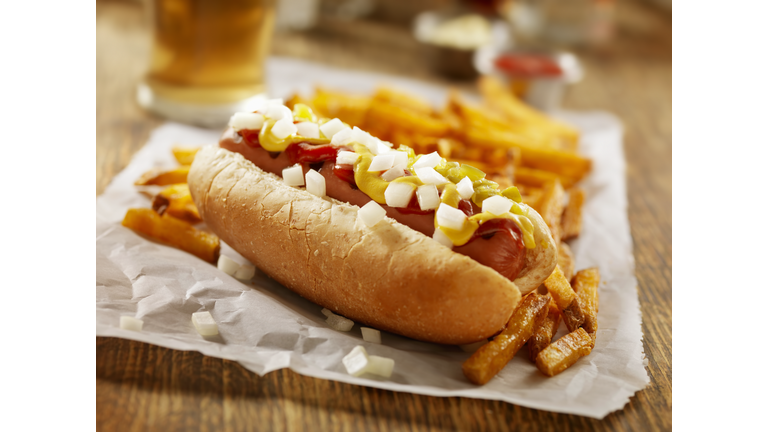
(144,387)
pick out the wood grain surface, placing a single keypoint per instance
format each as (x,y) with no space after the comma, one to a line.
(141,387)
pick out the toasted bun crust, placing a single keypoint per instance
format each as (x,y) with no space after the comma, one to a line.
(389,276)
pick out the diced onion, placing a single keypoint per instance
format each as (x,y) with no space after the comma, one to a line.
(315,183)
(371,213)
(440,237)
(327,312)
(331,127)
(205,324)
(428,197)
(465,189)
(401,159)
(347,157)
(227,265)
(382,148)
(246,120)
(470,348)
(382,162)
(497,205)
(398,194)
(308,129)
(430,176)
(131,323)
(245,272)
(294,176)
(363,137)
(450,217)
(278,111)
(371,335)
(283,128)
(356,362)
(381,366)
(393,173)
(339,323)
(429,160)
(342,137)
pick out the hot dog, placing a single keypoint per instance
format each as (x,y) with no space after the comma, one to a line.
(394,275)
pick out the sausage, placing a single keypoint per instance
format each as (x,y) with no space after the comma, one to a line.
(499,245)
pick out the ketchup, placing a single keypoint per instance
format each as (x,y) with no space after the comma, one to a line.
(251,137)
(528,65)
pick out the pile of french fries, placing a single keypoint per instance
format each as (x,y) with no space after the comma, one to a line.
(511,142)
(173,215)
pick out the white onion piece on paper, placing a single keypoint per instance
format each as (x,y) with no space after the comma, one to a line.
(227,265)
(205,324)
(332,127)
(315,183)
(293,176)
(327,312)
(440,237)
(401,159)
(428,197)
(245,272)
(497,205)
(428,160)
(450,217)
(470,348)
(398,194)
(131,323)
(382,162)
(339,323)
(393,173)
(342,137)
(430,176)
(371,335)
(371,213)
(246,120)
(465,189)
(381,366)
(283,128)
(308,129)
(356,362)
(347,157)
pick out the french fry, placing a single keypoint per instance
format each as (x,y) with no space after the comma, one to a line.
(585,285)
(402,99)
(571,221)
(163,177)
(350,109)
(533,177)
(565,260)
(491,358)
(384,113)
(564,352)
(565,164)
(544,331)
(550,206)
(512,108)
(185,155)
(565,298)
(177,202)
(175,232)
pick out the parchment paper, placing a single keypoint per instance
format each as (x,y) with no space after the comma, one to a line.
(265,327)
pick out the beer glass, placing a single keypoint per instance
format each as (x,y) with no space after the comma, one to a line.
(207,58)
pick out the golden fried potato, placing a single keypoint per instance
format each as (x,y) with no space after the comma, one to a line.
(350,109)
(185,155)
(164,177)
(491,358)
(544,331)
(550,206)
(564,352)
(571,222)
(177,202)
(565,298)
(175,232)
(585,285)
(565,260)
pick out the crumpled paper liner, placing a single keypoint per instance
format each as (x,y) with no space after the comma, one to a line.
(265,327)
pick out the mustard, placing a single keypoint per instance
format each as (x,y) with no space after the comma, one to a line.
(371,183)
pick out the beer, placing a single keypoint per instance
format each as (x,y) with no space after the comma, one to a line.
(206,52)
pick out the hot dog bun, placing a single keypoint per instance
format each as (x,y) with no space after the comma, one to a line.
(389,276)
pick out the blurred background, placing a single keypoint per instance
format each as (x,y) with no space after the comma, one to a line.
(612,55)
